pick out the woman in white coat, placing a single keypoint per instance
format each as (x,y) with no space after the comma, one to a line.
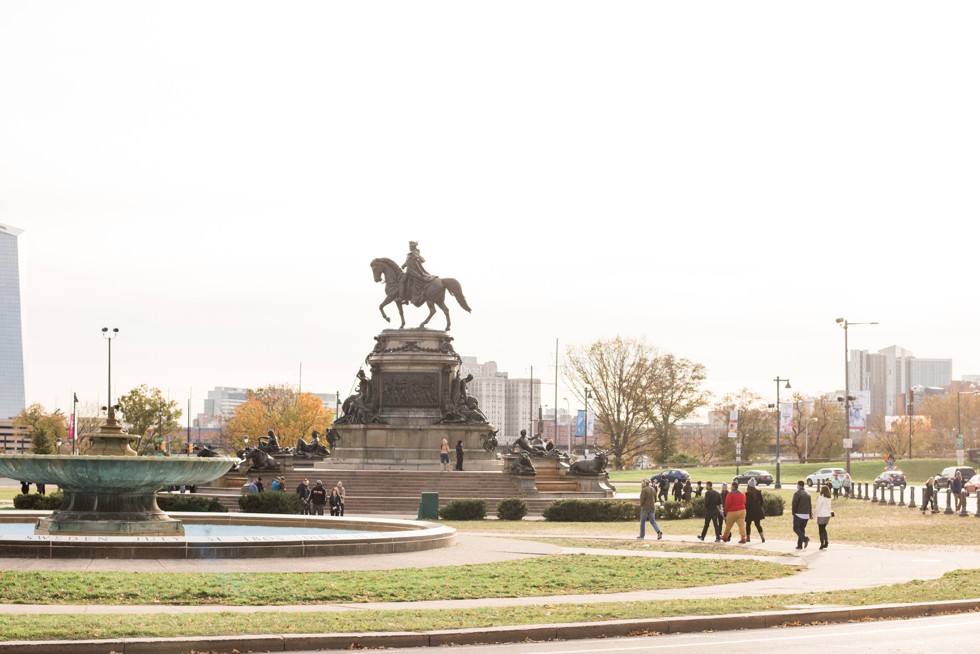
(822,512)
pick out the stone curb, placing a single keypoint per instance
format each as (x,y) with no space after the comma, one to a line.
(545,632)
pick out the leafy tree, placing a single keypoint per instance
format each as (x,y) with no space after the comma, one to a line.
(45,428)
(672,392)
(818,430)
(281,408)
(145,407)
(638,393)
(756,425)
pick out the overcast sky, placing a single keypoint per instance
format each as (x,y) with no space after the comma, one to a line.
(720,179)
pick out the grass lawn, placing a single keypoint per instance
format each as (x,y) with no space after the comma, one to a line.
(916,471)
(565,574)
(40,627)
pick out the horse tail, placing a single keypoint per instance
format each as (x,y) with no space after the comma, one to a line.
(457,292)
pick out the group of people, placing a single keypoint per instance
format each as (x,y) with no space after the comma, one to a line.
(25,488)
(444,455)
(316,499)
(740,510)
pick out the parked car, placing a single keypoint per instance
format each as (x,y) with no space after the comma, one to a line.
(822,475)
(674,474)
(944,477)
(889,478)
(760,476)
(973,484)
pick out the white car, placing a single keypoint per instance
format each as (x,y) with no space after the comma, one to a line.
(823,474)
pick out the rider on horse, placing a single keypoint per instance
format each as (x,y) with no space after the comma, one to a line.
(415,278)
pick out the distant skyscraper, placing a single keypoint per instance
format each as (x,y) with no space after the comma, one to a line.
(11,338)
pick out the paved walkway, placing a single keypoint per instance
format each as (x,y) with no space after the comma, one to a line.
(841,567)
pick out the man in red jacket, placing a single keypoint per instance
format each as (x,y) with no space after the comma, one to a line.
(734,513)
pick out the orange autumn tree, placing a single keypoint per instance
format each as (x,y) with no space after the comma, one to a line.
(281,408)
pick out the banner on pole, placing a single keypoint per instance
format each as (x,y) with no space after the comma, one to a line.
(582,425)
(785,417)
(857,414)
(733,423)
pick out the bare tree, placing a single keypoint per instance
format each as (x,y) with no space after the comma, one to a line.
(672,390)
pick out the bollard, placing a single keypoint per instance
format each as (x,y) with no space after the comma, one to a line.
(978,503)
(901,495)
(891,495)
(949,495)
(874,494)
(912,497)
(857,491)
(866,496)
(963,495)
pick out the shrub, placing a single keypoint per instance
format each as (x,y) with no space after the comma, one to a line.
(671,510)
(37,502)
(464,509)
(573,510)
(190,503)
(681,459)
(271,502)
(697,507)
(511,508)
(772,504)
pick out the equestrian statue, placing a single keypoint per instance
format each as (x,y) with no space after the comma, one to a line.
(415,286)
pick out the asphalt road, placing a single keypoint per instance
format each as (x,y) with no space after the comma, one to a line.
(935,635)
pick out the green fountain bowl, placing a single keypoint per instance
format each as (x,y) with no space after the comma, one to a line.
(120,474)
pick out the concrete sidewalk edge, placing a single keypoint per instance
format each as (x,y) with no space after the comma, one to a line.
(487,635)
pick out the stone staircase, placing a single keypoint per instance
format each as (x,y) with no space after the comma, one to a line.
(398,492)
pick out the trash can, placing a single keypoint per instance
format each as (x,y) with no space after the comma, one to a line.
(429,506)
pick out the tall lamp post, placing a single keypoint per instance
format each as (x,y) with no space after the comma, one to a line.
(109,335)
(568,416)
(847,392)
(959,428)
(778,381)
(585,423)
(74,423)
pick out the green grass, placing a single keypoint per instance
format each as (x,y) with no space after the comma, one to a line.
(550,575)
(57,627)
(647,546)
(916,470)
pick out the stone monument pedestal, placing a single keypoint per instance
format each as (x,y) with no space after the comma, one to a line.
(412,390)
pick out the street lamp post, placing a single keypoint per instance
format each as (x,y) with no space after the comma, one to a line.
(109,335)
(74,423)
(847,392)
(568,416)
(778,381)
(585,423)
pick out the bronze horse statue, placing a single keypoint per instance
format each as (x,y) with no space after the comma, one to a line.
(434,294)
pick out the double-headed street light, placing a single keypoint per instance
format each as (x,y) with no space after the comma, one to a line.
(847,392)
(778,381)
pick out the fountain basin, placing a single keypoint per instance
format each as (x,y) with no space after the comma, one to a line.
(303,536)
(111,495)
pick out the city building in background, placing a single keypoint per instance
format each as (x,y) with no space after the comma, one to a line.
(14,440)
(509,404)
(11,337)
(221,402)
(889,374)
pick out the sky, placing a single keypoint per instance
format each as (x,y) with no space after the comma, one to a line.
(721,180)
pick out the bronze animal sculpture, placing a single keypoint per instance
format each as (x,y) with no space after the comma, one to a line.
(595,466)
(432,294)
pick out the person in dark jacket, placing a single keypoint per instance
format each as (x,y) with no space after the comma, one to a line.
(929,496)
(318,498)
(698,490)
(335,503)
(663,484)
(303,492)
(686,493)
(459,455)
(802,513)
(712,512)
(753,511)
(956,488)
(678,490)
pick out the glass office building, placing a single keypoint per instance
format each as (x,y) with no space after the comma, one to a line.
(11,338)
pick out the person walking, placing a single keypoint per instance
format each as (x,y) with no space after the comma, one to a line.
(956,488)
(846,486)
(303,492)
(712,512)
(335,504)
(459,455)
(686,494)
(753,511)
(342,492)
(823,513)
(648,510)
(318,498)
(835,483)
(663,484)
(698,490)
(929,496)
(802,508)
(678,490)
(735,513)
(444,455)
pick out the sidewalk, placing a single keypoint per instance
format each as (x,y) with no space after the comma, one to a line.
(841,567)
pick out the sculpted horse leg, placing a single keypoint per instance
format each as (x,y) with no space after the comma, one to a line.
(432,312)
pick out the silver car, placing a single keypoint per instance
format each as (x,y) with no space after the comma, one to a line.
(823,474)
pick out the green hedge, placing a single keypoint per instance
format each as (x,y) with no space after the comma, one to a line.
(271,503)
(671,510)
(190,503)
(772,504)
(512,508)
(697,507)
(36,502)
(573,510)
(464,509)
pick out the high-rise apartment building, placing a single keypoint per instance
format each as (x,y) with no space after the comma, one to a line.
(509,404)
(221,402)
(12,400)
(890,373)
